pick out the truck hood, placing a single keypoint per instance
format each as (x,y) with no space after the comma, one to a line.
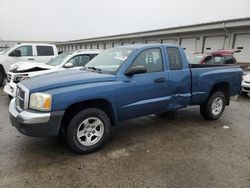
(29,67)
(65,78)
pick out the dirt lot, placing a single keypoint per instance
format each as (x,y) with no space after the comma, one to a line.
(186,151)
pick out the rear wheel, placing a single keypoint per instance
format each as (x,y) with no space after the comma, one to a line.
(88,130)
(214,107)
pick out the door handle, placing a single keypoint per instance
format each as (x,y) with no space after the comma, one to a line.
(31,59)
(159,80)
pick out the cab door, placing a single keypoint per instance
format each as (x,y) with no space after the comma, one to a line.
(145,93)
(21,53)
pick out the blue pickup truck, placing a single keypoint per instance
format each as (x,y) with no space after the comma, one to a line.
(119,84)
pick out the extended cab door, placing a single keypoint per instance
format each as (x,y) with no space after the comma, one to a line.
(179,80)
(145,93)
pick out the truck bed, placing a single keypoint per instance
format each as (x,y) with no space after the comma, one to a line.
(204,77)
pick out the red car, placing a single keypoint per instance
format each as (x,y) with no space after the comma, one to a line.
(216,57)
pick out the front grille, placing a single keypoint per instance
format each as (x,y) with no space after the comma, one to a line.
(247,82)
(8,77)
(20,95)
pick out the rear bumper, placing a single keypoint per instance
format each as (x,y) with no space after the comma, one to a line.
(10,89)
(32,123)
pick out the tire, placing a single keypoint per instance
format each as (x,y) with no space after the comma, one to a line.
(1,78)
(88,130)
(214,107)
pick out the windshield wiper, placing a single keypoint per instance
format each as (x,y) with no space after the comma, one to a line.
(95,68)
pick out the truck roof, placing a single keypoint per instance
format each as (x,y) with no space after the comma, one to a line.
(147,45)
(40,44)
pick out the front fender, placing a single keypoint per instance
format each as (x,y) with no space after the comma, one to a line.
(2,70)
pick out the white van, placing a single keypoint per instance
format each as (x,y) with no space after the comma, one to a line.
(31,52)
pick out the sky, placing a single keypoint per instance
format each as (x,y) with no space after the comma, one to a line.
(60,20)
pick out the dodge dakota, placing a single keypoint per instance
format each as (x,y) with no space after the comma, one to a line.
(119,84)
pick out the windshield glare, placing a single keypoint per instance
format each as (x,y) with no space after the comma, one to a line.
(195,59)
(110,60)
(59,59)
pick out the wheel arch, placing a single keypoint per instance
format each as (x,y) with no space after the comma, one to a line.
(223,87)
(102,104)
(2,70)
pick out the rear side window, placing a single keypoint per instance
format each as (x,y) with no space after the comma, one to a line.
(229,60)
(174,58)
(45,50)
(151,59)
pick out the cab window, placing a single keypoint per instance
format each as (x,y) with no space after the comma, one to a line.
(44,50)
(151,59)
(80,60)
(22,51)
(229,60)
(174,58)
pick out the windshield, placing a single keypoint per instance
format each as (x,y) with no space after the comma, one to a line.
(195,59)
(59,59)
(110,60)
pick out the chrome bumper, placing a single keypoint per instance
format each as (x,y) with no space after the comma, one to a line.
(245,87)
(10,89)
(26,116)
(33,123)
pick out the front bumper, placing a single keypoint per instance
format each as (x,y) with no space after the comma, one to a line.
(245,87)
(10,89)
(33,123)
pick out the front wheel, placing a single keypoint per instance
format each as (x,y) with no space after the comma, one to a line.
(1,78)
(214,107)
(88,130)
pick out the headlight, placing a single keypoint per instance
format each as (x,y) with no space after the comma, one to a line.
(19,78)
(40,101)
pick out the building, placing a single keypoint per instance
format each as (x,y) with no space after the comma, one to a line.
(4,44)
(205,37)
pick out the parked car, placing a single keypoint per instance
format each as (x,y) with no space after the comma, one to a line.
(119,84)
(66,60)
(246,81)
(32,52)
(217,57)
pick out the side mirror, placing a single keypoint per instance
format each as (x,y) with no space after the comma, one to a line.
(17,53)
(136,70)
(68,65)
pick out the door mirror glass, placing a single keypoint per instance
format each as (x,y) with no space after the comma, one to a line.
(136,70)
(68,65)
